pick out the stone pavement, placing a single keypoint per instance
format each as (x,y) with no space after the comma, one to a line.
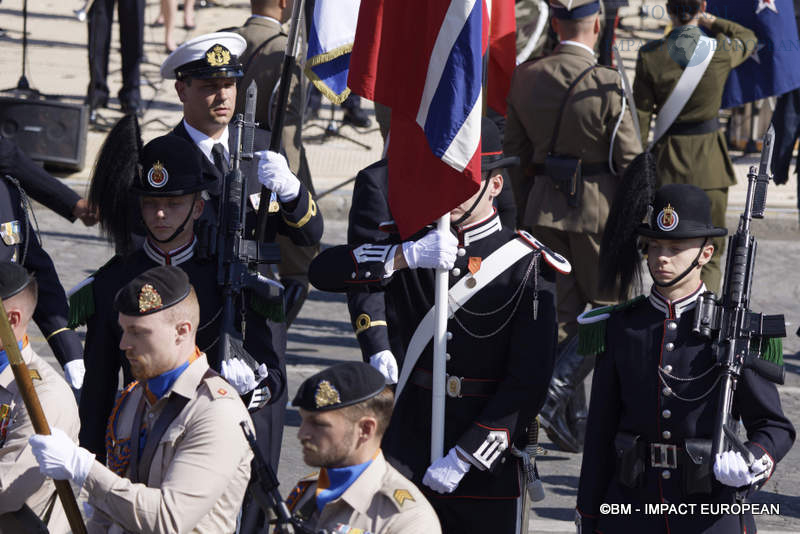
(322,334)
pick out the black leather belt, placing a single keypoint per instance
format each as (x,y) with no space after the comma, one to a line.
(694,128)
(456,386)
(587,169)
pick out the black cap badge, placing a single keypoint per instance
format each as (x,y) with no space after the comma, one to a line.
(157,176)
(218,56)
(326,395)
(667,219)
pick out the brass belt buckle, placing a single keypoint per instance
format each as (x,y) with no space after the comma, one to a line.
(454,386)
(663,455)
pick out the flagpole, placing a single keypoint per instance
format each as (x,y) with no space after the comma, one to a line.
(439,353)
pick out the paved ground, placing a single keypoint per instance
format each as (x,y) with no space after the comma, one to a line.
(322,333)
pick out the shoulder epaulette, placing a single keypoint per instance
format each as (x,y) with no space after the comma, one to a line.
(271,309)
(592,326)
(81,298)
(553,259)
(219,387)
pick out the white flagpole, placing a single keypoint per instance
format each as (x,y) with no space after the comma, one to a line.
(439,350)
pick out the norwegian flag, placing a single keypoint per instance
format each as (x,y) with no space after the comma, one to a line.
(426,64)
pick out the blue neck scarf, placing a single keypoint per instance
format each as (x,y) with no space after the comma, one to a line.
(340,479)
(158,385)
(4,357)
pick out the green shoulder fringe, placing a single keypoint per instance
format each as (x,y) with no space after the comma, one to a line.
(271,309)
(81,299)
(592,326)
(772,350)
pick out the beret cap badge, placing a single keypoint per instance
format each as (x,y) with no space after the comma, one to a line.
(667,219)
(326,395)
(157,176)
(149,299)
(218,56)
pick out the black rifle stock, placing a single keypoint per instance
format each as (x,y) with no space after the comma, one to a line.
(237,256)
(267,494)
(730,321)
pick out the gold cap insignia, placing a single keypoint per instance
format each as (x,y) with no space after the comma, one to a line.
(149,299)
(326,395)
(667,219)
(218,56)
(157,176)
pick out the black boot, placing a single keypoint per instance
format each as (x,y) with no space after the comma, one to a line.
(570,370)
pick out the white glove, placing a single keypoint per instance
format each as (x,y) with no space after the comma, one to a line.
(434,251)
(445,473)
(731,469)
(73,372)
(60,458)
(275,175)
(385,362)
(241,377)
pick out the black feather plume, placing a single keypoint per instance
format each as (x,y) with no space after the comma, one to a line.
(116,168)
(620,259)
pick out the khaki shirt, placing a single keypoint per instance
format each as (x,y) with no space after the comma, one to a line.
(20,479)
(587,125)
(380,501)
(703,159)
(199,473)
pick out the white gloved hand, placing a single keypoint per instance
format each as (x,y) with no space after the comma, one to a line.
(385,362)
(445,473)
(241,377)
(60,458)
(731,469)
(275,175)
(434,251)
(74,370)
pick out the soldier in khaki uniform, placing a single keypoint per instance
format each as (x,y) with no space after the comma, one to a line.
(177,458)
(263,62)
(596,126)
(27,498)
(693,150)
(346,409)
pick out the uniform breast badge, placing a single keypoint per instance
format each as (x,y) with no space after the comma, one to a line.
(5,422)
(10,233)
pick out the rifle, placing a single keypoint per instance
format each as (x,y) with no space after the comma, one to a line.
(267,494)
(238,257)
(730,321)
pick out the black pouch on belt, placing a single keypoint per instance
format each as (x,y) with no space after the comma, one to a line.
(697,470)
(565,172)
(630,451)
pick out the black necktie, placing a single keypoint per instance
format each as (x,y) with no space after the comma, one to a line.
(219,158)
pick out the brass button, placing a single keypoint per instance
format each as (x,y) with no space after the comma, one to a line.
(456,271)
(672,325)
(667,368)
(462,251)
(665,474)
(449,336)
(353,276)
(670,346)
(666,434)
(447,356)
(367,274)
(667,391)
(666,414)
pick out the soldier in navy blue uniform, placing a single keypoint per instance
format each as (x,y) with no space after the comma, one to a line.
(500,349)
(206,69)
(655,394)
(21,245)
(170,187)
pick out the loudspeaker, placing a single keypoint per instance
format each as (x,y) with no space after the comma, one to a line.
(48,131)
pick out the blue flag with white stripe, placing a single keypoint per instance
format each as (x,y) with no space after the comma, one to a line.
(331,32)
